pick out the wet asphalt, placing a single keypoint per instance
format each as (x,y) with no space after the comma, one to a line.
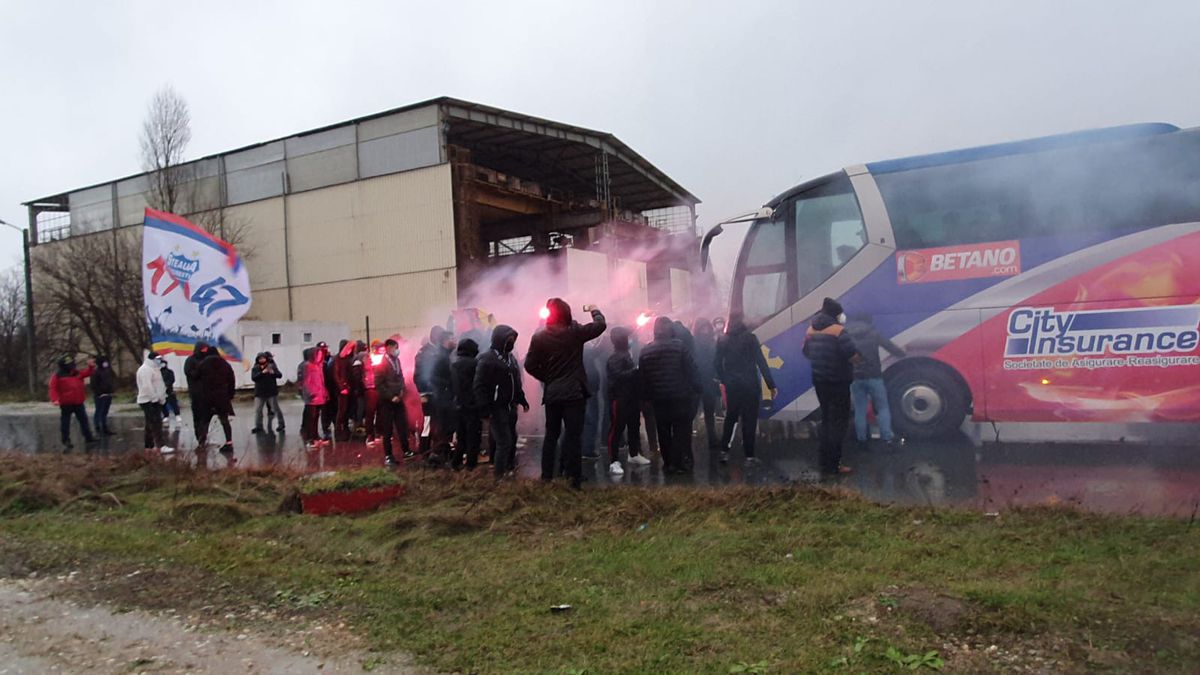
(1136,475)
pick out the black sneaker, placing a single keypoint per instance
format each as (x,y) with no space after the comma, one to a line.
(390,461)
(590,456)
(724,458)
(227,448)
(409,454)
(257,430)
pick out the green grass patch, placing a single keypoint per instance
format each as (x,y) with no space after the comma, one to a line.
(347,481)
(463,572)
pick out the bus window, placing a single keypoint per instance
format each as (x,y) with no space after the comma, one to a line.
(763,296)
(764,290)
(829,231)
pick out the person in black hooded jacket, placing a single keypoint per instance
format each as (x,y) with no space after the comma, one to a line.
(705,351)
(431,375)
(739,362)
(832,353)
(214,397)
(555,359)
(672,382)
(103,385)
(497,391)
(462,384)
(624,396)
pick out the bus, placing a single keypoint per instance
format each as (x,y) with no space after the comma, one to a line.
(1048,280)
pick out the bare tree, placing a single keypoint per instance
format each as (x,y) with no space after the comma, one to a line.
(166,132)
(90,295)
(12,328)
(90,286)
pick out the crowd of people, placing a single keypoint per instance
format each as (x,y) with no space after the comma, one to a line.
(594,390)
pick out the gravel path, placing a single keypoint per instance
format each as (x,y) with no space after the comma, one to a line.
(43,634)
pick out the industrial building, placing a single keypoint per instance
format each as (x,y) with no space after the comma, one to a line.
(409,205)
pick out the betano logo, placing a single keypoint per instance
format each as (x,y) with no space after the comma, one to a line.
(950,263)
(1043,331)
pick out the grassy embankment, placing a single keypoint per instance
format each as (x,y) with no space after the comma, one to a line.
(463,574)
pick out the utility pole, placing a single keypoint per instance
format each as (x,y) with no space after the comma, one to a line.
(30,340)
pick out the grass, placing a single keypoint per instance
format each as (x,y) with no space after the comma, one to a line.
(463,573)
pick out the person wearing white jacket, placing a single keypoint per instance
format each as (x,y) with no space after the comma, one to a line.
(151,394)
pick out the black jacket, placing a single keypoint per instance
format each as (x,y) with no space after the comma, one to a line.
(739,361)
(431,372)
(462,375)
(555,358)
(668,370)
(498,375)
(389,378)
(829,347)
(624,383)
(104,382)
(217,383)
(705,352)
(266,380)
(867,341)
(168,376)
(191,365)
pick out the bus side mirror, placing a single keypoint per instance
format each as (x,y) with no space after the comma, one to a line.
(705,243)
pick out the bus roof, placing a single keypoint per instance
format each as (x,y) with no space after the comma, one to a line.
(1058,141)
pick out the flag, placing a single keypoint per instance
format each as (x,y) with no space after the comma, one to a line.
(195,286)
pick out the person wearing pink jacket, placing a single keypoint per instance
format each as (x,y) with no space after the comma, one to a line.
(315,395)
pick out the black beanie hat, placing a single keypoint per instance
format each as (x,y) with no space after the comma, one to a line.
(831,307)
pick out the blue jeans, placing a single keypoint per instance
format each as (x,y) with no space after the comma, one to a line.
(860,391)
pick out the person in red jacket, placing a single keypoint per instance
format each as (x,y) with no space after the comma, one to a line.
(68,392)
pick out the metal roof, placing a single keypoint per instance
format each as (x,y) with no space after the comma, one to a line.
(638,183)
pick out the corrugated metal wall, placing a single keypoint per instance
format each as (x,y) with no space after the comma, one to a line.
(386,145)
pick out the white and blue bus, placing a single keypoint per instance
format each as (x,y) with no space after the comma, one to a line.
(1047,280)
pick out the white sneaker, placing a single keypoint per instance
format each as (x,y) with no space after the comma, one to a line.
(166,450)
(615,469)
(640,460)
(179,421)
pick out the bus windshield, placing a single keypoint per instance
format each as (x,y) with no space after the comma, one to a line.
(811,235)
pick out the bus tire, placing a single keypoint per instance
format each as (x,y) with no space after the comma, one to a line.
(928,399)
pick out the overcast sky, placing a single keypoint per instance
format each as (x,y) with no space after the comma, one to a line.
(735,100)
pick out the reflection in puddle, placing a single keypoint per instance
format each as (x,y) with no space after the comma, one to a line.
(1144,478)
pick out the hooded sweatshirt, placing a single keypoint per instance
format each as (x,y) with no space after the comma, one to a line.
(431,371)
(312,381)
(621,371)
(150,385)
(705,351)
(191,365)
(498,375)
(462,374)
(667,368)
(739,360)
(103,380)
(868,341)
(555,355)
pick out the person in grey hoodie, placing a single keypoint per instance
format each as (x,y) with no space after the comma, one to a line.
(868,377)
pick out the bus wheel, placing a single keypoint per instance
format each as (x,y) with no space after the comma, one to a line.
(927,401)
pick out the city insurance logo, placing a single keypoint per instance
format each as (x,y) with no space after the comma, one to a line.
(1043,337)
(952,263)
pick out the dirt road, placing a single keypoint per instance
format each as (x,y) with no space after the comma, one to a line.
(41,632)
